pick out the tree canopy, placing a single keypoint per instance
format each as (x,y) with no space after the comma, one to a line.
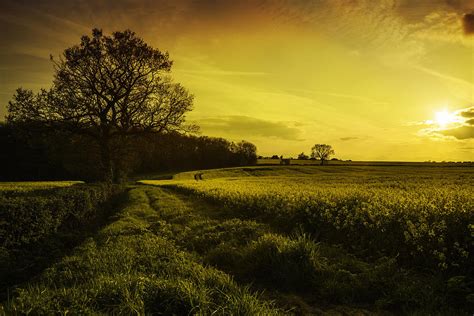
(322,152)
(111,89)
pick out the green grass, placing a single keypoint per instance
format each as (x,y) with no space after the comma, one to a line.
(413,222)
(39,226)
(270,240)
(35,185)
(128,268)
(319,274)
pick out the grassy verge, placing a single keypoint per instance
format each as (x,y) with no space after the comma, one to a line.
(39,226)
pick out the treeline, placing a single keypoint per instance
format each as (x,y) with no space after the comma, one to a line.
(33,153)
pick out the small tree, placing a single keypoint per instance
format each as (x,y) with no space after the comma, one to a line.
(322,152)
(111,89)
(302,156)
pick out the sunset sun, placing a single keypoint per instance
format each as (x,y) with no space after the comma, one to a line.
(444,118)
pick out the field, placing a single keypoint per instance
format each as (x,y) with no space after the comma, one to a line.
(419,216)
(268,240)
(36,185)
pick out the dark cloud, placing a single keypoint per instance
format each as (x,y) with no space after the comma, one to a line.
(468,23)
(462,132)
(460,4)
(348,138)
(468,113)
(470,122)
(244,126)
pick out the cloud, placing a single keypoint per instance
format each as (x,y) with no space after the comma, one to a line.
(465,84)
(348,138)
(468,113)
(245,126)
(468,23)
(462,132)
(461,128)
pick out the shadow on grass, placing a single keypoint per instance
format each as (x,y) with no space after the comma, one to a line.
(30,261)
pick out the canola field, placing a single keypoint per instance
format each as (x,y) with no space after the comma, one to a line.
(423,216)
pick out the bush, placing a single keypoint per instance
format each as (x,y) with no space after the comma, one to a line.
(28,217)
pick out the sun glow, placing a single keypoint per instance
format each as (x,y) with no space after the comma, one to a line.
(444,118)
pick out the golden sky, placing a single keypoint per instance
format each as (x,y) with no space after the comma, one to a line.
(377,79)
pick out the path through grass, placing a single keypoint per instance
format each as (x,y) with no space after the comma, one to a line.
(131,268)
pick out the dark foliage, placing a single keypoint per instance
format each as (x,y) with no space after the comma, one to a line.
(31,153)
(40,225)
(110,89)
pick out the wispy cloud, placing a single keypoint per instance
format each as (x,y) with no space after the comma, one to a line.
(236,126)
(221,72)
(344,139)
(444,76)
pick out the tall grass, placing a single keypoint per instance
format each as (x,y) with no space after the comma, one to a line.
(129,269)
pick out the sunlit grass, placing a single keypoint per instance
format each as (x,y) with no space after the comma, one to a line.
(423,214)
(35,185)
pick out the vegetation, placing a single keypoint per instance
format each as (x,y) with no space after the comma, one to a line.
(30,155)
(415,224)
(340,239)
(261,241)
(130,267)
(322,152)
(39,220)
(110,89)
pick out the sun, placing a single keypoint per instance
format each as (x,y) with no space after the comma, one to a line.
(444,118)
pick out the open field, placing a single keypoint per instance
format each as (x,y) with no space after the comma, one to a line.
(269,240)
(35,185)
(269,161)
(419,216)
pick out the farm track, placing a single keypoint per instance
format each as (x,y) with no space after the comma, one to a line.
(188,213)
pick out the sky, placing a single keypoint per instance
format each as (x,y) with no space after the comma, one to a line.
(376,79)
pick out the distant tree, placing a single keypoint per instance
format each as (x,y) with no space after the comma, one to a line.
(275,157)
(111,89)
(246,152)
(302,156)
(322,152)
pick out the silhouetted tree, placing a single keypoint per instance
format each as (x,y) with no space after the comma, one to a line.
(322,152)
(111,89)
(246,153)
(302,156)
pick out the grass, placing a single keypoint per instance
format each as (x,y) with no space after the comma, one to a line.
(270,240)
(127,268)
(39,226)
(317,273)
(412,226)
(35,185)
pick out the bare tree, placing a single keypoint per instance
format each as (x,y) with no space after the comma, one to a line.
(322,152)
(109,88)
